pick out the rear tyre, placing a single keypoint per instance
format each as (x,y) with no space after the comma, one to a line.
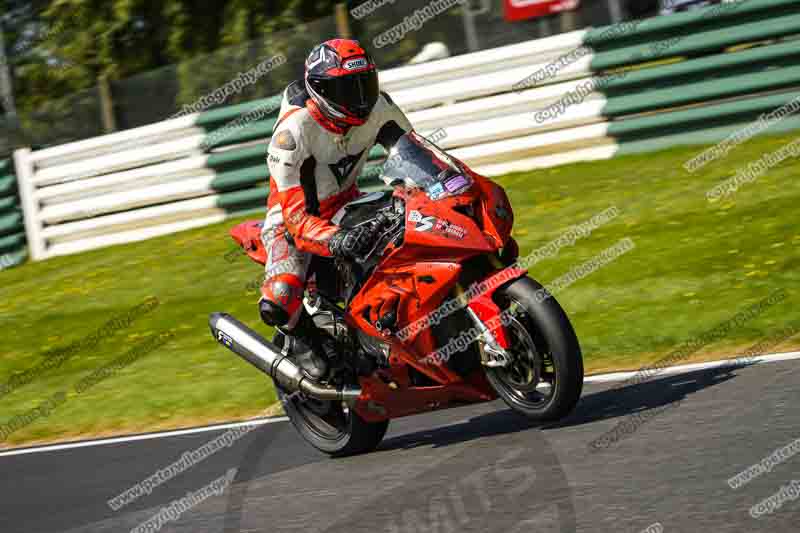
(331,427)
(545,378)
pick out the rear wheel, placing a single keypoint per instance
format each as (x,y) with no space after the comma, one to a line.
(545,376)
(330,426)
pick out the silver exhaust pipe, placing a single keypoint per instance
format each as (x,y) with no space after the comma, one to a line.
(266,357)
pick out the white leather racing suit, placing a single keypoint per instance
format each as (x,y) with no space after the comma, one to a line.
(314,165)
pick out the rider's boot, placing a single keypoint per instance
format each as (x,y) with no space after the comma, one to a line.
(311,347)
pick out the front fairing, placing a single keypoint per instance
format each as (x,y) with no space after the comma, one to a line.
(442,228)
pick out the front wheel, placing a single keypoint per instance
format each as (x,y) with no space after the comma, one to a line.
(544,378)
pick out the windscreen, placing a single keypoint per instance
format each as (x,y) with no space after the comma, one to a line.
(418,162)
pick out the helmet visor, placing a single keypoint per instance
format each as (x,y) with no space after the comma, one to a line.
(354,94)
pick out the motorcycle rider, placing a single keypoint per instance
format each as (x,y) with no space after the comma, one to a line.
(327,124)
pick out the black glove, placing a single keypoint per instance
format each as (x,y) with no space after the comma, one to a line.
(350,243)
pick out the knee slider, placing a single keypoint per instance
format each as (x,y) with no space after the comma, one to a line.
(272,314)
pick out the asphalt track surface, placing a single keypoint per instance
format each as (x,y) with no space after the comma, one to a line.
(475,468)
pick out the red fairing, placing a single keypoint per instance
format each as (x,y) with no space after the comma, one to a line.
(485,307)
(489,313)
(414,278)
(435,230)
(248,235)
(497,215)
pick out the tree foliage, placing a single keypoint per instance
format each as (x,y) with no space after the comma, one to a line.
(59,47)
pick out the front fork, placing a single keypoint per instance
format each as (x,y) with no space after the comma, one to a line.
(486,315)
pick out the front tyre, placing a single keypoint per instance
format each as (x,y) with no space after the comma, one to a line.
(545,376)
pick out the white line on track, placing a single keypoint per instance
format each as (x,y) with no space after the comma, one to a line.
(682,369)
(600,378)
(143,436)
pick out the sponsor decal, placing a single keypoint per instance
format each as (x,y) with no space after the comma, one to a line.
(224,338)
(344,167)
(283,292)
(422,222)
(437,225)
(448,229)
(280,250)
(456,183)
(355,64)
(435,191)
(285,140)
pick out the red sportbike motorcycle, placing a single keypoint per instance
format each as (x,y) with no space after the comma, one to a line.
(437,314)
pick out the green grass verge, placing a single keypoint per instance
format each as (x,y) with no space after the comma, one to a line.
(695,264)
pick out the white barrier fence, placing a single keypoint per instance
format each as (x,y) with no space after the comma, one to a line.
(157,179)
(715,73)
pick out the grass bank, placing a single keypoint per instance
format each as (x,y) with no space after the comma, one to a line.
(694,265)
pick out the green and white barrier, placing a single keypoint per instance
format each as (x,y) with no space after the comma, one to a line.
(693,77)
(12,227)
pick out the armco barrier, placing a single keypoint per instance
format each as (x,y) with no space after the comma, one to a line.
(687,78)
(12,230)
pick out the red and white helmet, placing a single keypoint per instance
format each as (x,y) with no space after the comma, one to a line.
(342,80)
